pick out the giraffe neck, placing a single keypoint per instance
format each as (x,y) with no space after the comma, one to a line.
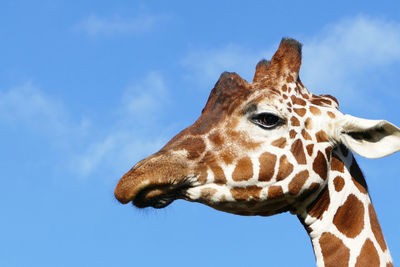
(341,221)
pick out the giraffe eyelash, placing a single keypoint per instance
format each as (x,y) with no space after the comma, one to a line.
(267,121)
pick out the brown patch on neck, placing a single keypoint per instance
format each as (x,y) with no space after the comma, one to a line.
(310,149)
(338,182)
(320,165)
(368,256)
(337,164)
(376,229)
(349,218)
(334,251)
(297,182)
(320,204)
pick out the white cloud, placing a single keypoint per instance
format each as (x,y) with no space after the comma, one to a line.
(94,25)
(125,142)
(206,65)
(115,153)
(146,96)
(342,54)
(29,106)
(336,60)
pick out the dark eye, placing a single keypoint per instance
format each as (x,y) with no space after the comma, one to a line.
(266,120)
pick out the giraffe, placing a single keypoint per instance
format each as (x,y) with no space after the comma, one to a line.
(271,146)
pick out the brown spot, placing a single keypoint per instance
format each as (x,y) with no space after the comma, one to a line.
(331,98)
(292,134)
(289,79)
(315,110)
(331,114)
(297,150)
(216,139)
(305,135)
(339,183)
(285,96)
(320,204)
(328,152)
(321,136)
(320,166)
(305,96)
(300,111)
(358,177)
(389,264)
(337,164)
(267,166)
(294,121)
(243,139)
(298,101)
(297,182)
(207,193)
(284,88)
(333,250)
(310,149)
(285,168)
(368,255)
(227,156)
(308,124)
(219,175)
(281,142)
(376,229)
(275,192)
(321,101)
(245,193)
(243,170)
(349,218)
(195,146)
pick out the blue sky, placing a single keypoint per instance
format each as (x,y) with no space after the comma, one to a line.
(88,89)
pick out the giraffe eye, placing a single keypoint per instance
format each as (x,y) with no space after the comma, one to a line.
(266,120)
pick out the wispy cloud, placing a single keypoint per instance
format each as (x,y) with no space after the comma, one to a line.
(341,56)
(94,25)
(146,96)
(124,143)
(30,107)
(205,65)
(336,60)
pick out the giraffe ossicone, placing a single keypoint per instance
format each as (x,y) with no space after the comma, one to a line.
(271,146)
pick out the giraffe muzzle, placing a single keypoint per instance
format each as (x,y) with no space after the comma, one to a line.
(149,184)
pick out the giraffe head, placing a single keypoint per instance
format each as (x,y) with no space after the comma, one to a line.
(258,148)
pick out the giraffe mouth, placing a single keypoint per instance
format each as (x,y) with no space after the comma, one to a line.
(160,196)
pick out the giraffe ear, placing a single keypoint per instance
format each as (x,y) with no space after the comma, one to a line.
(369,138)
(287,59)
